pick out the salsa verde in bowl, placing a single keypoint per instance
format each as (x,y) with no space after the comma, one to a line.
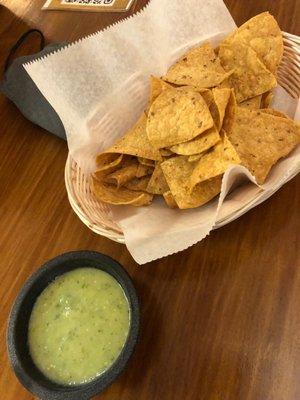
(73,327)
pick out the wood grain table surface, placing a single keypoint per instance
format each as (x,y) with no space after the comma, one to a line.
(221,320)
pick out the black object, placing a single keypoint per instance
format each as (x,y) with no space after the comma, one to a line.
(18,350)
(21,90)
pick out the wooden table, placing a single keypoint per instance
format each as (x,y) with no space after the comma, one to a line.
(220,321)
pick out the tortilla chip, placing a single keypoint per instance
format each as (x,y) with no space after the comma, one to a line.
(225,84)
(136,143)
(157,183)
(230,112)
(195,157)
(169,199)
(112,195)
(207,96)
(177,171)
(143,170)
(202,143)
(271,58)
(253,103)
(177,116)
(267,99)
(221,99)
(138,184)
(262,139)
(107,163)
(166,152)
(214,162)
(123,175)
(145,161)
(264,36)
(250,77)
(216,100)
(200,67)
(157,86)
(207,190)
(274,112)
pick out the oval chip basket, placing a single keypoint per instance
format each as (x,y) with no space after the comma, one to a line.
(97,216)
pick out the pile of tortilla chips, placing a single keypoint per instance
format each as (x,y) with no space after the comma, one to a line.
(210,111)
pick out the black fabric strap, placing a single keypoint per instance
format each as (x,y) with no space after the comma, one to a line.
(19,42)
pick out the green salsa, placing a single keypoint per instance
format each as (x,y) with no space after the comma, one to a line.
(78,326)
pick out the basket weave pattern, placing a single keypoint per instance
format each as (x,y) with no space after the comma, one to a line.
(97,215)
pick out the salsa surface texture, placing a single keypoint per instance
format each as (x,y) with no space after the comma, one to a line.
(78,326)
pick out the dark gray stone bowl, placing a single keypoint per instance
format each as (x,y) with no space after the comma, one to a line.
(18,350)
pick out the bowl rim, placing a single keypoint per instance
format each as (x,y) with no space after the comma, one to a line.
(55,265)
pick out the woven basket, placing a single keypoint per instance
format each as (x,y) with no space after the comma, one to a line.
(97,216)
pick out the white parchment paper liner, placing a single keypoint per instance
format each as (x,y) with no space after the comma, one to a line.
(99,86)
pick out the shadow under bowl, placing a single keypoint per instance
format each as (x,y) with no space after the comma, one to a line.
(17,333)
